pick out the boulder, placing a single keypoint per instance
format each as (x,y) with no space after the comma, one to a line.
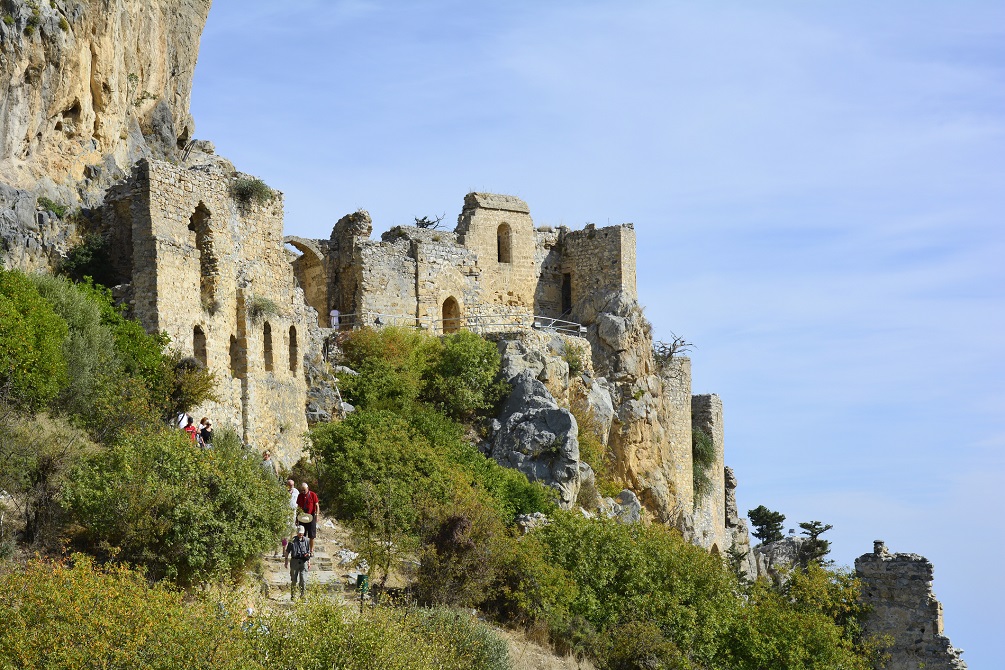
(538,438)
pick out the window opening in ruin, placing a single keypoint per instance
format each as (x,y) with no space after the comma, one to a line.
(199,345)
(566,293)
(451,316)
(237,363)
(208,267)
(505,243)
(294,349)
(267,346)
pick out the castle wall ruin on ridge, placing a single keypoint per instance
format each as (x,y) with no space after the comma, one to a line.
(493,272)
(212,273)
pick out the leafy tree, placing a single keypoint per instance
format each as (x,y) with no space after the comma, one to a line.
(90,259)
(767,524)
(815,549)
(89,348)
(33,368)
(390,362)
(185,513)
(76,616)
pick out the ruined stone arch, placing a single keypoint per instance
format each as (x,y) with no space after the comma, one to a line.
(209,271)
(267,346)
(451,315)
(199,345)
(504,243)
(294,349)
(311,274)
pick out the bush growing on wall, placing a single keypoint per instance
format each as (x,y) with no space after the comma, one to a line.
(185,513)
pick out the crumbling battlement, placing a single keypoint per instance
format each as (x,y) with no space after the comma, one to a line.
(494,271)
(898,587)
(212,273)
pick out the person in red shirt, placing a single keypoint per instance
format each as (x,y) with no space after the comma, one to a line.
(191,429)
(308,502)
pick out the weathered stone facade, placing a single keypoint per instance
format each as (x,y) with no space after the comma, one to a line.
(898,587)
(211,272)
(493,273)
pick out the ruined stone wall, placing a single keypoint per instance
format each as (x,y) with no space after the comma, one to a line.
(548,261)
(898,587)
(312,275)
(213,274)
(384,279)
(600,260)
(499,230)
(709,511)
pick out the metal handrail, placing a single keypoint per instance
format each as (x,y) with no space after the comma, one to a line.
(476,322)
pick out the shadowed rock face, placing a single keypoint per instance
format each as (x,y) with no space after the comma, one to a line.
(87,89)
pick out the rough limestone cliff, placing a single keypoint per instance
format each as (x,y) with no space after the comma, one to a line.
(88,88)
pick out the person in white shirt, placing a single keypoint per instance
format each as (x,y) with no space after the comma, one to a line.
(333,316)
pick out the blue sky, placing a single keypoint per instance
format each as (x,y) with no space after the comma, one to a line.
(818,191)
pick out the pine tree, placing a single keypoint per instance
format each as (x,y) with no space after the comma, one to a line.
(767,524)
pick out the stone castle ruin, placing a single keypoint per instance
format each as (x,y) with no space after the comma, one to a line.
(210,271)
(494,272)
(95,116)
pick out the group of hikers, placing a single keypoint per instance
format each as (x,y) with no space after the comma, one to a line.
(302,524)
(202,434)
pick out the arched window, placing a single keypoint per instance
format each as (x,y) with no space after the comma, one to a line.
(504,237)
(451,316)
(238,363)
(294,349)
(199,345)
(267,346)
(208,270)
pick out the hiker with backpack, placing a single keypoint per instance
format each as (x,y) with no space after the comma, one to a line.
(295,557)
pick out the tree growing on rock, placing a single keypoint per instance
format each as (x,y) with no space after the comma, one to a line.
(767,524)
(815,549)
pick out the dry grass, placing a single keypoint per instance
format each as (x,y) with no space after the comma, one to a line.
(525,654)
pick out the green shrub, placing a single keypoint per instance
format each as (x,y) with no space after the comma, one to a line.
(37,453)
(185,513)
(628,573)
(702,460)
(8,19)
(380,637)
(260,307)
(44,202)
(89,348)
(474,644)
(391,363)
(80,616)
(90,258)
(462,379)
(33,368)
(573,356)
(799,628)
(251,189)
(64,25)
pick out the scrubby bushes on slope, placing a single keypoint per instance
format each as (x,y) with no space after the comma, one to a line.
(185,513)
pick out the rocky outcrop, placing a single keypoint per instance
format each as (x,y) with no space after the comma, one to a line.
(650,431)
(737,533)
(898,588)
(775,559)
(538,438)
(88,88)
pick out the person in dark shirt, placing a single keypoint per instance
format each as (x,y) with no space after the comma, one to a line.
(295,557)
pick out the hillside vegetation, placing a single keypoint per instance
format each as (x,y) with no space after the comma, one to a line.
(142,534)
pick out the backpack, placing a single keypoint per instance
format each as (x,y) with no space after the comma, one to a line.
(300,549)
